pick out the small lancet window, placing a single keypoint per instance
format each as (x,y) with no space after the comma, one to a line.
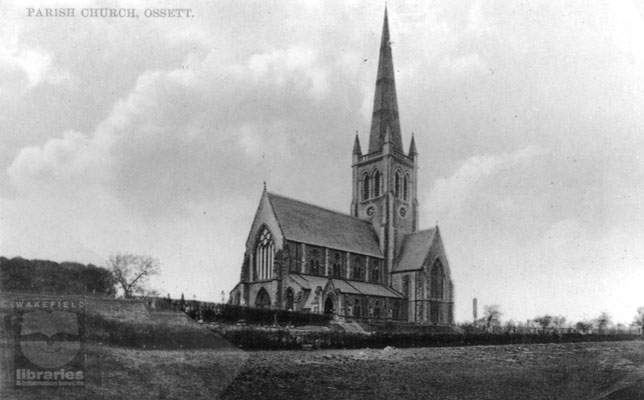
(406,187)
(365,187)
(397,184)
(376,183)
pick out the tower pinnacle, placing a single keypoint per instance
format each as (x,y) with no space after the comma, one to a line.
(385,104)
(356,146)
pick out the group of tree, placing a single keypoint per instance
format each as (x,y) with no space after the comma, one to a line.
(547,323)
(42,276)
(127,272)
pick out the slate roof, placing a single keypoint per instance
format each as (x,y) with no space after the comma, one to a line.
(311,282)
(371,289)
(414,250)
(307,223)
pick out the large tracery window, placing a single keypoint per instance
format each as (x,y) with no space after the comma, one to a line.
(264,255)
(437,276)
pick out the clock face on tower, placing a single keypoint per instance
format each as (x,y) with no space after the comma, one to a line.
(371,210)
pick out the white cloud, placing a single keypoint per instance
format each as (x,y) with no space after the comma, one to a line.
(297,65)
(449,194)
(36,64)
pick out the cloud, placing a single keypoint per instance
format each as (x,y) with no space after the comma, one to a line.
(448,195)
(36,64)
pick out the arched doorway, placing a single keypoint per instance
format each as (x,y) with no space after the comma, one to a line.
(262,300)
(328,306)
(289,299)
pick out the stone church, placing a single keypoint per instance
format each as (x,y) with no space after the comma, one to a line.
(371,264)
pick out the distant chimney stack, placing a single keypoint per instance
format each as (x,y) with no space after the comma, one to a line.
(475,309)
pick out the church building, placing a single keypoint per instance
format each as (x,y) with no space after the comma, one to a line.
(371,264)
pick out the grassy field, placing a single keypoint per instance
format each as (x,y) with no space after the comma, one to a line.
(541,371)
(135,353)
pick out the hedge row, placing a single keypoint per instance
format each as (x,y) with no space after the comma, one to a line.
(252,338)
(149,335)
(257,316)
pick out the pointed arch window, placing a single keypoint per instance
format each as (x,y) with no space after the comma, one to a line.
(375,271)
(365,187)
(376,309)
(289,299)
(437,276)
(264,255)
(405,187)
(376,183)
(338,266)
(263,300)
(357,265)
(397,184)
(405,287)
(315,262)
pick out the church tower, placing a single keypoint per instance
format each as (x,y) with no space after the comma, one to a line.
(385,178)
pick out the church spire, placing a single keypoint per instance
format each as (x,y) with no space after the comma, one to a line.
(385,105)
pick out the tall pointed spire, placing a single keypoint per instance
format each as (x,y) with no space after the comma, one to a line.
(385,105)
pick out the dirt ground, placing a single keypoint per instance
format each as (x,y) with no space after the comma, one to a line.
(549,371)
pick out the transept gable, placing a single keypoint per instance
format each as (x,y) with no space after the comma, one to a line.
(265,218)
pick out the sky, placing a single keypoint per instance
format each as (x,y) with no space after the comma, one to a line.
(154,136)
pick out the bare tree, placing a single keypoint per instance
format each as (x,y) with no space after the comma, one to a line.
(544,321)
(558,322)
(492,316)
(602,321)
(639,319)
(132,271)
(583,326)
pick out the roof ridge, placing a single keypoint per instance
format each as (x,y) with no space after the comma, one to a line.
(422,231)
(319,207)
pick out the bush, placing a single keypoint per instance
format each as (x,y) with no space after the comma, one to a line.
(274,339)
(149,335)
(257,316)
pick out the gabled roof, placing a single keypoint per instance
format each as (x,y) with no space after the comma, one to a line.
(414,250)
(306,223)
(311,282)
(369,289)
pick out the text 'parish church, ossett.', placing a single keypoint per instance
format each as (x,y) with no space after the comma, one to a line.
(371,264)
